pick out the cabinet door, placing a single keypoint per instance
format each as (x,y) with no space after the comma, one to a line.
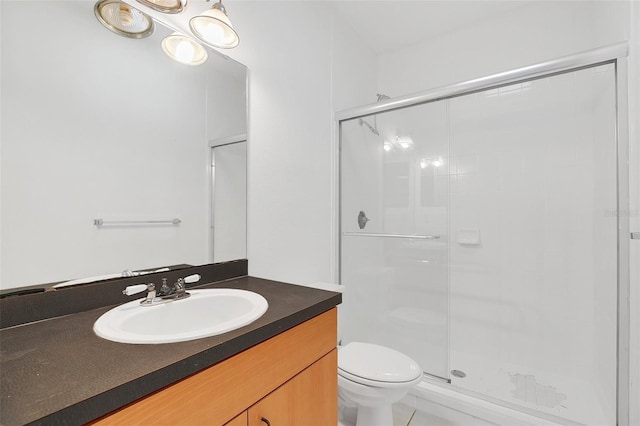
(308,399)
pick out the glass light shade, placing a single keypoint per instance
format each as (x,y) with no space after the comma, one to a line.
(214,28)
(123,19)
(165,6)
(184,49)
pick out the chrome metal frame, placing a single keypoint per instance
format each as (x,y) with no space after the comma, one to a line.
(544,69)
(168,10)
(97,10)
(624,249)
(616,54)
(369,234)
(102,222)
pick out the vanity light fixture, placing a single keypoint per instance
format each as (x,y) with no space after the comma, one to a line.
(165,6)
(123,19)
(214,28)
(184,49)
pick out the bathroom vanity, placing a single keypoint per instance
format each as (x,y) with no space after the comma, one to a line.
(57,371)
(289,379)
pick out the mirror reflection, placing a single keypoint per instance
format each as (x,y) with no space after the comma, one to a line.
(229,203)
(97,126)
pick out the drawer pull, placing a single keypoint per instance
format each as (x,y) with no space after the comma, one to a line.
(265,421)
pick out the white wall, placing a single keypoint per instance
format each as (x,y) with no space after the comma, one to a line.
(526,35)
(289,133)
(294,76)
(354,68)
(226,111)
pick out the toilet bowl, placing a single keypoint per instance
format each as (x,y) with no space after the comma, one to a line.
(373,377)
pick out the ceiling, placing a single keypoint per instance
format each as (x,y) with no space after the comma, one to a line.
(383,25)
(392,24)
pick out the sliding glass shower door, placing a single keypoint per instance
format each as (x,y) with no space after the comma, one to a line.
(394,221)
(533,298)
(479,235)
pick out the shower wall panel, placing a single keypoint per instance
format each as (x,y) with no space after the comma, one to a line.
(533,301)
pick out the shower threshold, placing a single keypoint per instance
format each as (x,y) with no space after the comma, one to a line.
(433,398)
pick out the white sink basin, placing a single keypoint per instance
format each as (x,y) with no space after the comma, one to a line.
(206,313)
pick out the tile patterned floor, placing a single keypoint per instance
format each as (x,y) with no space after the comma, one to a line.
(404,415)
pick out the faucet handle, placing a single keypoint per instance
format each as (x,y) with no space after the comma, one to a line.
(165,289)
(134,289)
(192,279)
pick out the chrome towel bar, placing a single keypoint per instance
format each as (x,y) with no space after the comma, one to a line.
(101,222)
(367,234)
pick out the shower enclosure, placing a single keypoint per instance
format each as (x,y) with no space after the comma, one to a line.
(479,235)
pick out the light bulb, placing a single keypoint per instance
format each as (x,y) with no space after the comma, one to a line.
(185,51)
(214,33)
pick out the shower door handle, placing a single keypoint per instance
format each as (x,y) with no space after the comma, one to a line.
(367,234)
(635,235)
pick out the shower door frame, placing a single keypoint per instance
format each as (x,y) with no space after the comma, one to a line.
(615,54)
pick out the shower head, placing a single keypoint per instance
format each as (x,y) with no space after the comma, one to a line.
(373,129)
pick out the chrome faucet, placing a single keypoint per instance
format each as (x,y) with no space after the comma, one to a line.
(166,293)
(176,291)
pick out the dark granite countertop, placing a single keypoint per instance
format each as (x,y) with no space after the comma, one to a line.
(57,371)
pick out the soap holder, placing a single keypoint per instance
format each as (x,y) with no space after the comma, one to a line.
(468,236)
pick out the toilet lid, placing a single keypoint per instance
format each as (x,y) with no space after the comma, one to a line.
(378,363)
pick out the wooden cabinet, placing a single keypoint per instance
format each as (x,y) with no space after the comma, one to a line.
(239,420)
(309,399)
(290,379)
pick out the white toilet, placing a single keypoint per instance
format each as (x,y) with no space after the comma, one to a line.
(372,377)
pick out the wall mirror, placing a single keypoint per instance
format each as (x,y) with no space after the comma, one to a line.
(96,126)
